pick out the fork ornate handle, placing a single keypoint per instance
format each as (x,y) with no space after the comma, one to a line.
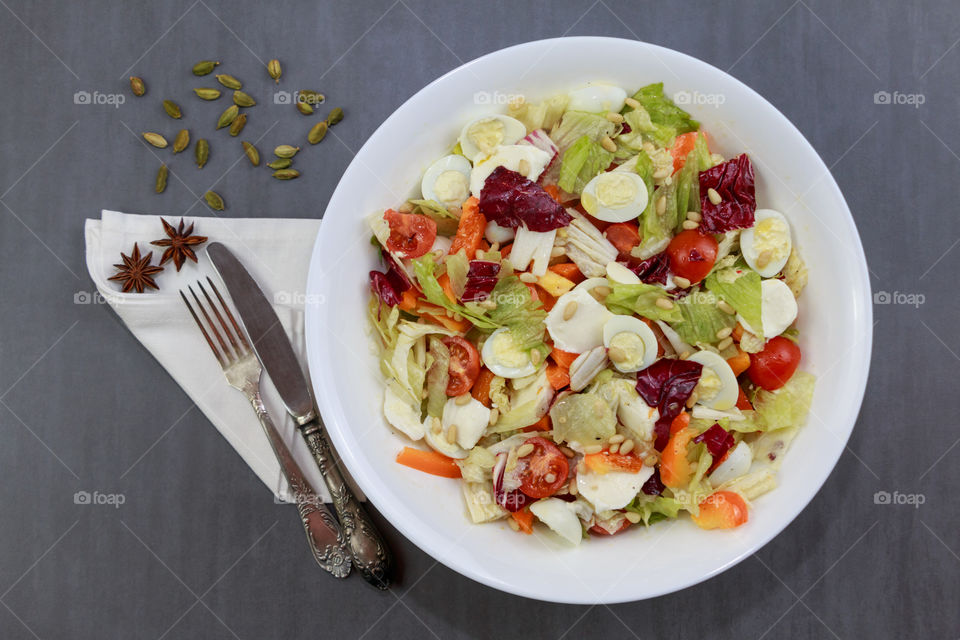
(370,555)
(326,539)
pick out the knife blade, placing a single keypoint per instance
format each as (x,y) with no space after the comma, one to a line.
(272,346)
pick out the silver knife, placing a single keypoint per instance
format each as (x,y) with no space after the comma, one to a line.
(272,346)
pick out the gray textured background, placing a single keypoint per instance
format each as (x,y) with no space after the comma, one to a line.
(200,550)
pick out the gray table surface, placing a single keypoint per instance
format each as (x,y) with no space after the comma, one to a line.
(198,549)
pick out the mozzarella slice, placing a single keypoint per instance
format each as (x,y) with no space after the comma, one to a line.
(522,158)
(402,415)
(481,136)
(503,358)
(560,516)
(737,464)
(611,490)
(769,236)
(778,309)
(582,330)
(718,388)
(496,233)
(619,274)
(532,246)
(471,419)
(636,414)
(596,98)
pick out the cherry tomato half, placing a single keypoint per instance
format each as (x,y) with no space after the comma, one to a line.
(411,234)
(692,255)
(601,531)
(775,365)
(464,365)
(545,461)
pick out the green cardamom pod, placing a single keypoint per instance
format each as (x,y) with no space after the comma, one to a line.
(202,152)
(273,68)
(214,201)
(286,174)
(335,116)
(252,153)
(182,141)
(242,99)
(238,125)
(207,94)
(137,86)
(280,163)
(310,97)
(229,82)
(204,67)
(285,151)
(156,140)
(317,132)
(228,116)
(304,108)
(161,179)
(172,109)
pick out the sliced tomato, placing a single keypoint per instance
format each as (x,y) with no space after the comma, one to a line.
(545,470)
(775,365)
(600,531)
(464,365)
(623,235)
(411,234)
(692,255)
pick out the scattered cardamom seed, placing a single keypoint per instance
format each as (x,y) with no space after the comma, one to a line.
(228,116)
(273,68)
(280,163)
(182,141)
(161,179)
(156,140)
(317,132)
(238,125)
(204,67)
(202,152)
(304,108)
(242,99)
(207,93)
(286,174)
(172,109)
(310,97)
(285,151)
(214,201)
(229,81)
(137,86)
(335,116)
(252,153)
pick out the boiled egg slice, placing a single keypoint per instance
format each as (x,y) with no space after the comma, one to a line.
(778,309)
(613,489)
(767,242)
(481,136)
(615,196)
(522,158)
(737,464)
(717,388)
(596,98)
(576,321)
(502,356)
(447,181)
(631,345)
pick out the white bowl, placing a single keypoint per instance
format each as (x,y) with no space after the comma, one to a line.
(835,322)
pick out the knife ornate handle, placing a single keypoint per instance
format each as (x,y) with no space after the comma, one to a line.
(326,539)
(370,555)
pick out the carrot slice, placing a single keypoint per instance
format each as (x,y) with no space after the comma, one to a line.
(739,362)
(444,282)
(545,298)
(471,228)
(543,424)
(429,462)
(743,402)
(568,270)
(481,388)
(737,332)
(524,518)
(408,300)
(460,326)
(557,376)
(563,358)
(553,190)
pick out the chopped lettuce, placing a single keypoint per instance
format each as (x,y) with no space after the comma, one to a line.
(424,268)
(477,465)
(699,486)
(457,267)
(446,221)
(403,362)
(576,124)
(527,404)
(517,309)
(701,318)
(582,160)
(540,115)
(687,181)
(641,299)
(480,502)
(667,119)
(740,288)
(438,376)
(787,407)
(655,508)
(704,159)
(656,229)
(585,418)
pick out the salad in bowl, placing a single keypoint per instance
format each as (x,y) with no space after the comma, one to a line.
(586,320)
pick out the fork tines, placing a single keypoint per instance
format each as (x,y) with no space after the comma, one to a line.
(238,341)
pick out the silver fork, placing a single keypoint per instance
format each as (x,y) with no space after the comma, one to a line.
(242,370)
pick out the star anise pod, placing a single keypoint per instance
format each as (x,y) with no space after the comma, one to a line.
(178,243)
(136,272)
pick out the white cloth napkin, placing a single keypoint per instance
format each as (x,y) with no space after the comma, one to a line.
(277,255)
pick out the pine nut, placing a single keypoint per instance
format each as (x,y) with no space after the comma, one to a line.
(572,489)
(681,282)
(664,303)
(764,258)
(457,317)
(437,427)
(602,291)
(535,356)
(494,416)
(424,393)
(723,344)
(724,306)
(693,215)
(567,451)
(523,167)
(626,447)
(608,144)
(723,333)
(614,448)
(690,224)
(615,118)
(594,448)
(463,399)
(651,460)
(632,103)
(692,400)
(513,524)
(556,252)
(633,517)
(616,438)
(528,278)
(685,355)
(452,434)
(570,310)
(661,205)
(667,181)
(495,246)
(550,477)
(714,196)
(524,450)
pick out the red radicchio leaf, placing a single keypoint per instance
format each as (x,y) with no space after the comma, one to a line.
(666,385)
(653,269)
(481,279)
(733,180)
(718,441)
(508,199)
(654,485)
(389,286)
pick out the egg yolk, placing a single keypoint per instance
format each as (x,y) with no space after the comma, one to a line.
(615,190)
(773,235)
(486,134)
(709,385)
(506,353)
(451,188)
(626,349)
